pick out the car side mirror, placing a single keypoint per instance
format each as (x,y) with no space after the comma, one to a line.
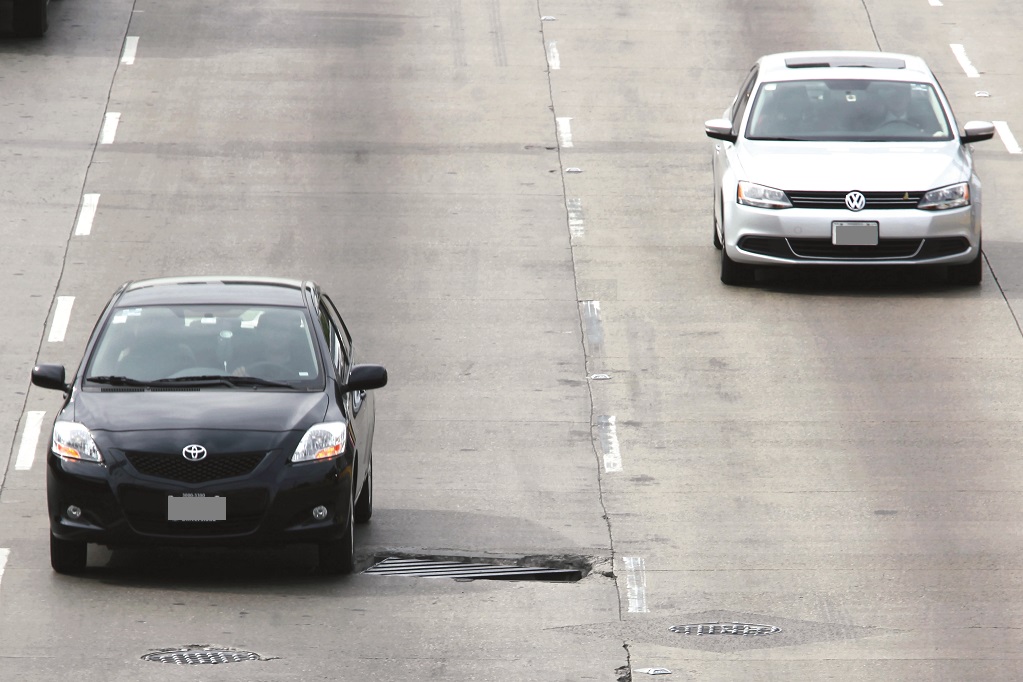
(719,129)
(50,376)
(364,378)
(976,131)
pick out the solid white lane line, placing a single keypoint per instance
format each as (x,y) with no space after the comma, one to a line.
(4,553)
(61,317)
(131,46)
(109,130)
(565,131)
(960,53)
(29,440)
(635,583)
(553,57)
(608,432)
(1008,139)
(936,3)
(576,224)
(85,217)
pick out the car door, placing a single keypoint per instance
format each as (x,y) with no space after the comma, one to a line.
(723,148)
(358,404)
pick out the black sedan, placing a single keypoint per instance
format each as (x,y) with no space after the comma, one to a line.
(213,411)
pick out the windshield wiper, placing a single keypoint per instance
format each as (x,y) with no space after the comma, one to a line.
(220,379)
(118,381)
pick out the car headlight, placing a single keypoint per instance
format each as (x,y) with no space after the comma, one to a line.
(752,194)
(72,440)
(321,442)
(943,198)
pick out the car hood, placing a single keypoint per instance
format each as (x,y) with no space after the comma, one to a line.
(847,166)
(199,410)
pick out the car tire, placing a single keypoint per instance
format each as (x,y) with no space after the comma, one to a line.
(28,18)
(736,274)
(337,557)
(969,274)
(364,505)
(67,556)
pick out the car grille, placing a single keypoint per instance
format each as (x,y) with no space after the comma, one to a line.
(174,467)
(146,511)
(875,200)
(886,249)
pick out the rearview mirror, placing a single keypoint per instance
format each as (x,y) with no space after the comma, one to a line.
(977,131)
(719,129)
(365,377)
(50,376)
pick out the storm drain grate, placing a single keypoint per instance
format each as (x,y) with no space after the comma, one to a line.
(739,629)
(426,568)
(200,656)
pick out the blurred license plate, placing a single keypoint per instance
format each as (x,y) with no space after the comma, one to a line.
(854,234)
(196,508)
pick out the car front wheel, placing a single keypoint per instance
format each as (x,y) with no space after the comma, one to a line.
(970,273)
(337,557)
(735,274)
(364,505)
(29,18)
(67,556)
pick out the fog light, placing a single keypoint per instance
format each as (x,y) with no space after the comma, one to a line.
(74,513)
(320,513)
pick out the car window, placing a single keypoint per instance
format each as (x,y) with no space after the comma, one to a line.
(338,353)
(848,110)
(150,343)
(739,105)
(345,336)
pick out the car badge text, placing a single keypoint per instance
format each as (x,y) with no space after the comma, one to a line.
(855,201)
(193,453)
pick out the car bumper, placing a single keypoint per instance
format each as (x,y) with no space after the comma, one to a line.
(798,236)
(273,506)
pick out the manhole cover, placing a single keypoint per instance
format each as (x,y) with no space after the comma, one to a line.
(740,629)
(201,656)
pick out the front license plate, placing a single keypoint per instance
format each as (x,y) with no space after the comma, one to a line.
(854,234)
(196,508)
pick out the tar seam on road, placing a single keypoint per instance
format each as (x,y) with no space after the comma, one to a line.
(575,278)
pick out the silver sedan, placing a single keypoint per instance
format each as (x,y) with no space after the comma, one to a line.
(845,158)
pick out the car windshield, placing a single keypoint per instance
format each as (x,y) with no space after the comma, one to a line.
(848,110)
(163,343)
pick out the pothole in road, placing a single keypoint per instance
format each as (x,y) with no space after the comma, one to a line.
(200,654)
(547,569)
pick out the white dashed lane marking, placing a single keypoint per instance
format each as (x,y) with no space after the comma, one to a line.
(90,202)
(61,317)
(131,46)
(1008,139)
(960,53)
(29,440)
(635,583)
(607,432)
(109,131)
(553,57)
(565,131)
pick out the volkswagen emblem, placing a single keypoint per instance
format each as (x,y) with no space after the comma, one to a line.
(193,453)
(855,201)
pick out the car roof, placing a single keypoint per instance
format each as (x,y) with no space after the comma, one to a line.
(843,64)
(215,290)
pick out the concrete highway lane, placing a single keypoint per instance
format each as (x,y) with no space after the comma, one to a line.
(815,478)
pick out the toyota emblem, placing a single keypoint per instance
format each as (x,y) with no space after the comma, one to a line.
(193,453)
(855,201)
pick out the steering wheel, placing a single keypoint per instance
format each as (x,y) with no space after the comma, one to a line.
(268,369)
(901,123)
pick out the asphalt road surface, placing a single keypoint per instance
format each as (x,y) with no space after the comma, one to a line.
(519,193)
